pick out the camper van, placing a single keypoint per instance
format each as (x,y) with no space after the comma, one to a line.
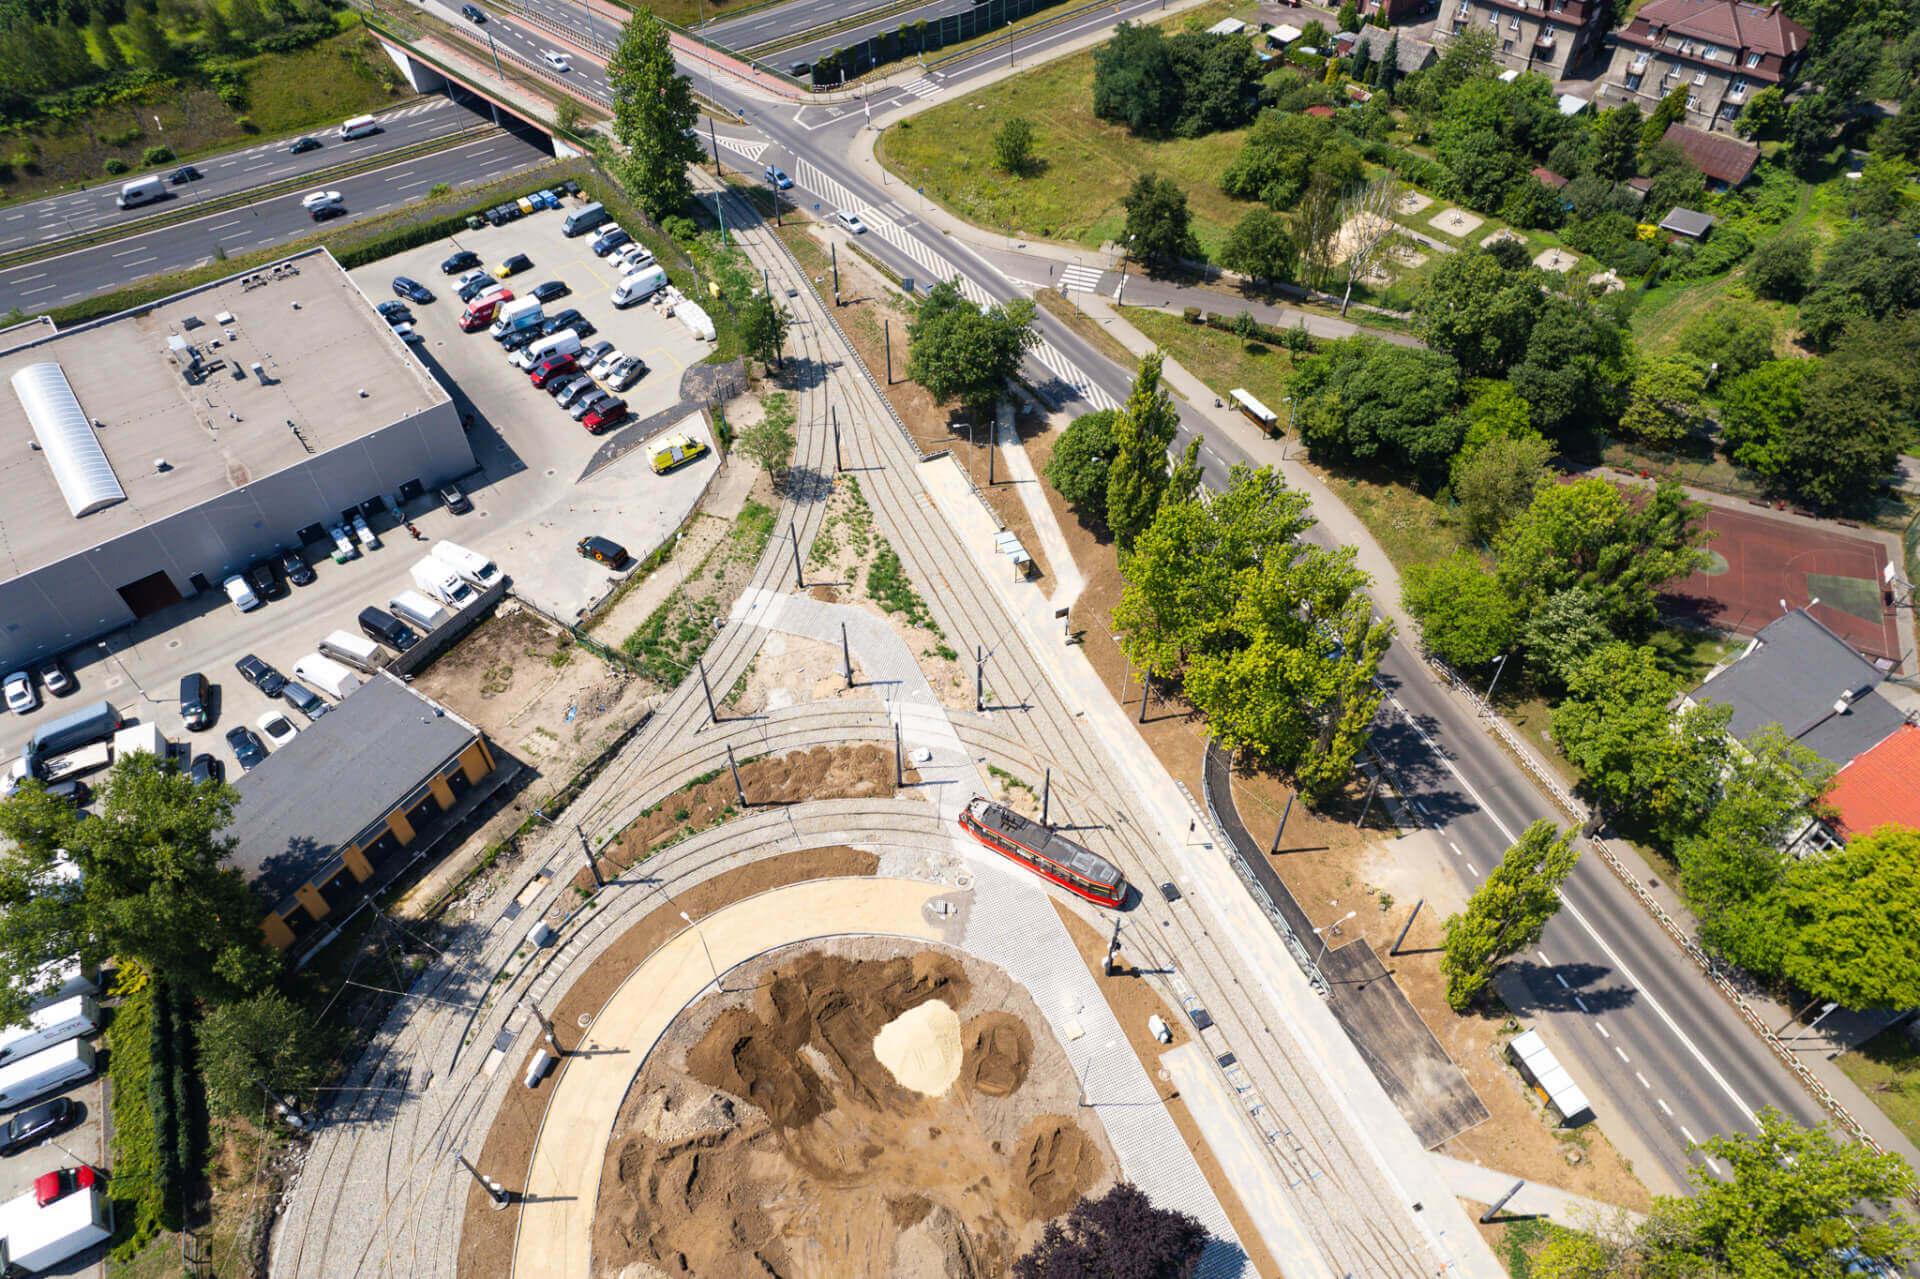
(55,1024)
(325,674)
(472,565)
(49,1070)
(639,286)
(353,650)
(416,609)
(359,127)
(141,191)
(437,579)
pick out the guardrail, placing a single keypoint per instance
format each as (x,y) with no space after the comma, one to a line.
(1706,963)
(190,209)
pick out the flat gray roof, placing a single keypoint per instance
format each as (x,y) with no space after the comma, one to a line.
(317,338)
(339,775)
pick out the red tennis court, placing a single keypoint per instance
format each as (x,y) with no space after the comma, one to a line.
(1760,562)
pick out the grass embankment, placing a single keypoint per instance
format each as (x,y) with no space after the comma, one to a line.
(286,93)
(1085,164)
(666,644)
(1887,1068)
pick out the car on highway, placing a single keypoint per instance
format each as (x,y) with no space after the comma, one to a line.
(472,13)
(301,145)
(513,266)
(184,174)
(246,748)
(411,290)
(610,239)
(327,211)
(631,370)
(550,368)
(779,178)
(550,290)
(277,728)
(602,550)
(456,500)
(557,60)
(464,260)
(207,768)
(316,203)
(604,413)
(29,1127)
(851,221)
(799,70)
(21,696)
(260,675)
(54,677)
(295,566)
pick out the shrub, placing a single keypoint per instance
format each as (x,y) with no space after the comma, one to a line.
(245,124)
(156,155)
(115,164)
(1191,315)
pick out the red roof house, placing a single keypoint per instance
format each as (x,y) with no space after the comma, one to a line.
(1879,787)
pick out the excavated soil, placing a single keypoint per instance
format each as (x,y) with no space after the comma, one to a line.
(764,1136)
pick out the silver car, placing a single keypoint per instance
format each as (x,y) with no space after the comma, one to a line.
(575,392)
(585,402)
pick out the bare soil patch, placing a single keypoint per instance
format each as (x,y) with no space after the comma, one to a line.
(486,1236)
(764,1136)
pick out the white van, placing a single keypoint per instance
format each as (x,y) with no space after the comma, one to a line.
(325,674)
(48,1070)
(639,285)
(54,1024)
(472,565)
(565,342)
(141,191)
(357,651)
(413,607)
(62,979)
(517,314)
(437,579)
(359,127)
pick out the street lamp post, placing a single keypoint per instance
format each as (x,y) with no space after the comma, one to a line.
(1497,672)
(717,983)
(1815,1023)
(1325,935)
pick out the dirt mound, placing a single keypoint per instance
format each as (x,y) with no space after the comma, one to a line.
(999,1048)
(921,1047)
(1057,1164)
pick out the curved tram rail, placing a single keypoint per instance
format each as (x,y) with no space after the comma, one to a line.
(1044,851)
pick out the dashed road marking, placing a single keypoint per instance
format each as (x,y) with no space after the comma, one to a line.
(1582,1003)
(1643,1080)
(1688,1135)
(1563,982)
(1664,1109)
(1603,1030)
(1623,1053)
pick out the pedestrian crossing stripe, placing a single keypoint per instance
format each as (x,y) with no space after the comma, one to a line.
(1080,279)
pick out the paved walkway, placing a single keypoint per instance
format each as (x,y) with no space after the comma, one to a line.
(1486,1185)
(562,1192)
(1067,581)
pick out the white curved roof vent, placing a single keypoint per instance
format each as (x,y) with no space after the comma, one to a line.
(81,469)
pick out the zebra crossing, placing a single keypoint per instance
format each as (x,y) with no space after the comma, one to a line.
(1080,279)
(751,150)
(1063,368)
(921,88)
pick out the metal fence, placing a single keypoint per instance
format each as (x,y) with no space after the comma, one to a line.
(444,636)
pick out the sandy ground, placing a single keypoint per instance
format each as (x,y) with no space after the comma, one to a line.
(765,1136)
(486,1237)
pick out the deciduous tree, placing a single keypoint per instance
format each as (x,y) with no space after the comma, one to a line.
(1589,534)
(1119,1234)
(1507,912)
(1142,432)
(1158,227)
(268,1040)
(1562,632)
(1013,146)
(1498,480)
(1846,921)
(1759,412)
(653,116)
(1259,246)
(1364,399)
(1465,618)
(1078,467)
(1478,311)
(1663,402)
(1782,266)
(962,352)
(763,327)
(770,441)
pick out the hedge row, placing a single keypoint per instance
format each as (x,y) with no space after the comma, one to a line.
(163,1106)
(1294,338)
(138,1191)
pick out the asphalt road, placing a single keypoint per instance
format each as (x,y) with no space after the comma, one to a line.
(49,282)
(57,216)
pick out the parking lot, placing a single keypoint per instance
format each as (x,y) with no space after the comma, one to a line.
(83,1143)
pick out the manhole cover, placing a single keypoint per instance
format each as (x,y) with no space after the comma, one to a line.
(173,643)
(585,1020)
(551,472)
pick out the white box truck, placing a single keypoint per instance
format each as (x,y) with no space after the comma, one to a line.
(49,1070)
(439,581)
(60,979)
(75,763)
(54,1024)
(417,610)
(142,739)
(639,286)
(357,651)
(325,674)
(521,313)
(472,565)
(141,191)
(34,1238)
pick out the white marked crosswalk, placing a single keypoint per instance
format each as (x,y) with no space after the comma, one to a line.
(751,150)
(1060,367)
(1080,279)
(921,88)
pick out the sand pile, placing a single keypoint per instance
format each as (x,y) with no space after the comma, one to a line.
(849,1120)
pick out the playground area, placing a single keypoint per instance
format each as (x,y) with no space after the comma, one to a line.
(1761,567)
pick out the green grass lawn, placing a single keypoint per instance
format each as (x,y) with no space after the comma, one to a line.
(1087,163)
(1887,1068)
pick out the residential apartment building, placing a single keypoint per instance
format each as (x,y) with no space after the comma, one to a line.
(1548,36)
(1722,51)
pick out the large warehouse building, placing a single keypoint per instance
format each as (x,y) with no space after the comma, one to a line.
(150,454)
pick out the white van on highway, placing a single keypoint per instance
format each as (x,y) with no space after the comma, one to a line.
(359,127)
(141,191)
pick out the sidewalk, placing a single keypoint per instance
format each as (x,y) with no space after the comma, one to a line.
(1486,1185)
(1160,295)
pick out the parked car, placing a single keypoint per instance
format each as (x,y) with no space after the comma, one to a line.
(578,409)
(303,699)
(557,60)
(207,768)
(603,414)
(520,339)
(609,240)
(411,290)
(75,792)
(779,179)
(513,266)
(61,1182)
(457,502)
(550,290)
(246,747)
(295,566)
(606,358)
(277,728)
(464,260)
(631,370)
(851,221)
(54,677)
(551,368)
(391,311)
(603,550)
(472,14)
(576,390)
(184,174)
(799,70)
(30,1127)
(304,144)
(21,696)
(561,320)
(260,675)
(196,701)
(240,593)
(264,577)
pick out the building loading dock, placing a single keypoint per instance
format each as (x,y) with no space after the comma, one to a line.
(147,455)
(326,820)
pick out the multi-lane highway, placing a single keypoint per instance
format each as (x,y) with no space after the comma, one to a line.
(68,277)
(57,217)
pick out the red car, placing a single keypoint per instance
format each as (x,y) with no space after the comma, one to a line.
(481,312)
(61,1183)
(601,416)
(551,367)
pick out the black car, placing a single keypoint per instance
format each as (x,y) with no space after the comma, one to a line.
(472,14)
(247,747)
(411,290)
(184,174)
(35,1124)
(610,241)
(570,187)
(549,291)
(465,260)
(567,319)
(303,699)
(457,502)
(265,579)
(327,212)
(260,675)
(196,702)
(513,266)
(294,565)
(392,310)
(559,387)
(519,338)
(304,144)
(207,768)
(474,288)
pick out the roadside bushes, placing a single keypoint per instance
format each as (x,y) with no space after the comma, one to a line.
(157,155)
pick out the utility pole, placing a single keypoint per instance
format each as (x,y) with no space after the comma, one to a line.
(1046,795)
(1284,814)
(1395,948)
(833,412)
(593,866)
(899,760)
(991,433)
(886,330)
(846,655)
(1108,966)
(546,1025)
(712,715)
(793,536)
(833,252)
(717,170)
(1368,806)
(1488,1215)
(979,677)
(1146,691)
(495,1191)
(734,768)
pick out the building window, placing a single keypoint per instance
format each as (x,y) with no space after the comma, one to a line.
(1513,24)
(1459,27)
(1633,82)
(1753,59)
(1739,85)
(1711,52)
(1559,6)
(1699,77)
(1506,46)
(1731,112)
(1693,102)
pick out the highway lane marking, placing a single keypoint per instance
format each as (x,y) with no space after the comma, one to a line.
(1688,1136)
(25,278)
(42,289)
(407,186)
(123,253)
(1623,1053)
(1661,1102)
(1544,960)
(1601,1027)
(1643,1080)
(1455,847)
(1581,1002)
(1563,982)
(229,222)
(1473,868)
